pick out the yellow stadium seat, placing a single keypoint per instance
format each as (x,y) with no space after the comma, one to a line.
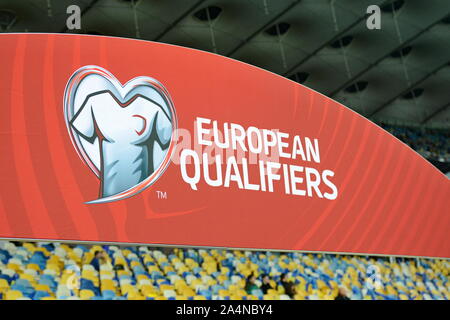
(108,287)
(180,282)
(223,293)
(28,277)
(321,284)
(42,287)
(123,273)
(3,284)
(96,248)
(211,282)
(74,257)
(54,267)
(272,292)
(109,282)
(141,277)
(43,250)
(135,295)
(151,269)
(121,260)
(232,288)
(87,258)
(88,273)
(187,292)
(13,266)
(165,287)
(162,260)
(160,281)
(13,295)
(148,287)
(241,292)
(196,282)
(33,266)
(168,269)
(29,246)
(224,270)
(86,294)
(222,278)
(299,296)
(94,280)
(127,289)
(126,252)
(150,293)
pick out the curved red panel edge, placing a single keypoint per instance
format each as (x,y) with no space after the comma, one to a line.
(389,201)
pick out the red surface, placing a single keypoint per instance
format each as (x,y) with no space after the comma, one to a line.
(391,200)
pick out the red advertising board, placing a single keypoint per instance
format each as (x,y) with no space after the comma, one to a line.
(118,140)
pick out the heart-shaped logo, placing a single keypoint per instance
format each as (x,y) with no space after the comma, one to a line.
(124,134)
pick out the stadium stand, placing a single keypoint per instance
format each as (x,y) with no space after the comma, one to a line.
(430,143)
(43,271)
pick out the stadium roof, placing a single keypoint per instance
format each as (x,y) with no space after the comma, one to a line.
(400,73)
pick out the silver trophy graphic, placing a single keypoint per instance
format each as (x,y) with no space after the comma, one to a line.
(123,133)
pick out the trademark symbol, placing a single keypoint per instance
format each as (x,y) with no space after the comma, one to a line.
(161,194)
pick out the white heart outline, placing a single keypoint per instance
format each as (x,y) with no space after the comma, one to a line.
(121,92)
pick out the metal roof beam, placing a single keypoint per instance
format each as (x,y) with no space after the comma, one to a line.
(373,64)
(271,21)
(179,19)
(435,113)
(328,42)
(408,89)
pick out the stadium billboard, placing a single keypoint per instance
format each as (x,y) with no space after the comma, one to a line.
(118,140)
